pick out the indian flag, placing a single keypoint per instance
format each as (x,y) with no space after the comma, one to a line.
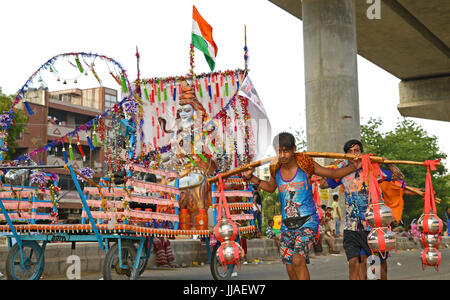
(202,38)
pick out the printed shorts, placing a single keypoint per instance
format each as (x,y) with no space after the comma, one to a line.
(296,242)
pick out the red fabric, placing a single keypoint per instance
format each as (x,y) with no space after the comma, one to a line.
(316,198)
(424,260)
(223,205)
(430,204)
(235,260)
(369,172)
(429,199)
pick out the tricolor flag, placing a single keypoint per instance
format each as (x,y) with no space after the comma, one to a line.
(202,38)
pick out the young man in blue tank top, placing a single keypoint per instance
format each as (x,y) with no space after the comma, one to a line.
(291,174)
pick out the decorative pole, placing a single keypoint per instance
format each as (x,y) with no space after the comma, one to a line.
(245,49)
(191,60)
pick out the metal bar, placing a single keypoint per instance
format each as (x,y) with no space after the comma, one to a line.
(214,202)
(138,254)
(177,199)
(10,224)
(85,205)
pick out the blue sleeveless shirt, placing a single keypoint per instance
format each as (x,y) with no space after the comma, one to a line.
(296,198)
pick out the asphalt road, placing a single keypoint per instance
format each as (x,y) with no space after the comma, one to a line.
(405,265)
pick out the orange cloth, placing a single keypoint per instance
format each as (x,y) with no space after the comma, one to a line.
(393,197)
(305,162)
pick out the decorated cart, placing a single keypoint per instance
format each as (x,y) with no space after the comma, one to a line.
(165,139)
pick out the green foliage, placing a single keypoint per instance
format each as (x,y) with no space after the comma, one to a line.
(20,117)
(300,138)
(409,141)
(271,207)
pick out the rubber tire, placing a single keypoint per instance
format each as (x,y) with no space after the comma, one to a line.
(217,271)
(13,255)
(113,253)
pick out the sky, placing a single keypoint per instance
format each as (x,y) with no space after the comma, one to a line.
(32,32)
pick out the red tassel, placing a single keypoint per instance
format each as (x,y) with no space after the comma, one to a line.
(79,147)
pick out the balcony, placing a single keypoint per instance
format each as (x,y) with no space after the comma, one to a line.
(59,131)
(77,163)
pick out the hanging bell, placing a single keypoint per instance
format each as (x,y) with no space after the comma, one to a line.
(386,215)
(434,224)
(64,82)
(75,81)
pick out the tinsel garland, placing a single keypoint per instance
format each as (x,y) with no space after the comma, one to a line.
(86,172)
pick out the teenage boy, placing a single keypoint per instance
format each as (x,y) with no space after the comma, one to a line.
(300,222)
(356,229)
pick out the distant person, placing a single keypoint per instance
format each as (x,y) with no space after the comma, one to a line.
(336,216)
(270,234)
(329,227)
(257,209)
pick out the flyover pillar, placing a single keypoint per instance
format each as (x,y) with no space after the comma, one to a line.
(331,78)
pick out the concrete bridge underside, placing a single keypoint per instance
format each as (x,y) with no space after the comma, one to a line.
(410,40)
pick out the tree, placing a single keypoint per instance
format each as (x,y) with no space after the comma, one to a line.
(300,138)
(271,206)
(409,141)
(15,130)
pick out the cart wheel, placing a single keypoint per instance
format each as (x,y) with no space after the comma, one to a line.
(111,266)
(217,271)
(33,263)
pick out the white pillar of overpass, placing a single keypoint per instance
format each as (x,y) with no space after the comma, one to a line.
(331,78)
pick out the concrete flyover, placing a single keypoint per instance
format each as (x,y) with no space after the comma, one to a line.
(410,39)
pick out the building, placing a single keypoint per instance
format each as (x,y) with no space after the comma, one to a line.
(263,173)
(56,114)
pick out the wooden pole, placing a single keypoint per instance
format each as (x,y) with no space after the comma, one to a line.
(420,193)
(315,154)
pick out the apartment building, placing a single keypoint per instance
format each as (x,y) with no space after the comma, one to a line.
(56,114)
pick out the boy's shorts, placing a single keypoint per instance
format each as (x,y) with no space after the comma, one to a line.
(297,241)
(355,244)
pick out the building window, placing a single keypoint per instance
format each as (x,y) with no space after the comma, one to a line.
(110,100)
